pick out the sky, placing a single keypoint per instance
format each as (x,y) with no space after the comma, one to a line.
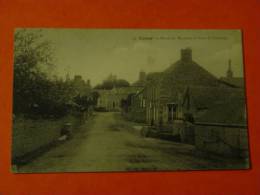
(96,53)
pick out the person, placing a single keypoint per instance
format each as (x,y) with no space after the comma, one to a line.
(66,131)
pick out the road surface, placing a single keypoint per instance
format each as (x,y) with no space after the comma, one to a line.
(107,142)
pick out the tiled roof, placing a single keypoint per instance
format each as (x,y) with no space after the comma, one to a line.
(189,73)
(218,104)
(236,81)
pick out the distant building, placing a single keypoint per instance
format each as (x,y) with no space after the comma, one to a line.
(111,99)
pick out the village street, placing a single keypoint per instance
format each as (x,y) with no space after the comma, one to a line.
(107,142)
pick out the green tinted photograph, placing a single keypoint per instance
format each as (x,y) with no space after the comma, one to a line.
(128,100)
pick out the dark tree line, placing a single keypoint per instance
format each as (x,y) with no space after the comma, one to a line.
(83,102)
(110,84)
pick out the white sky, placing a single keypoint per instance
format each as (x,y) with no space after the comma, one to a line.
(95,54)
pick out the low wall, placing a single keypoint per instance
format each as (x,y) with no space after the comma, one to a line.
(28,134)
(220,139)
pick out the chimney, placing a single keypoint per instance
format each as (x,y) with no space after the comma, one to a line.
(88,82)
(229,64)
(186,54)
(142,76)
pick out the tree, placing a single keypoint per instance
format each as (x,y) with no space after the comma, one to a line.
(110,84)
(31,53)
(122,83)
(35,93)
(95,96)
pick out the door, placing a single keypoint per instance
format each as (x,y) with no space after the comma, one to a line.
(172,111)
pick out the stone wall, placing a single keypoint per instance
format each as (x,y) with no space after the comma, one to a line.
(225,140)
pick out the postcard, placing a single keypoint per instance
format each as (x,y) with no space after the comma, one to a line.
(115,100)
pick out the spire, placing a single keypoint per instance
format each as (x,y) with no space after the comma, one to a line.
(67,77)
(229,64)
(229,71)
(88,83)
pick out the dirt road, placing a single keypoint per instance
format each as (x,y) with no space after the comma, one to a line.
(107,142)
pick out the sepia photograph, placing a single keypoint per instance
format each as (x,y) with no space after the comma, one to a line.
(128,100)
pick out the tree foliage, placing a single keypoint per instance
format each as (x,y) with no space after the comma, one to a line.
(35,92)
(110,84)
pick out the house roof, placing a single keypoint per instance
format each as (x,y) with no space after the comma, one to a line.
(236,81)
(218,104)
(120,90)
(190,73)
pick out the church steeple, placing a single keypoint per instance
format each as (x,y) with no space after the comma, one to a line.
(229,71)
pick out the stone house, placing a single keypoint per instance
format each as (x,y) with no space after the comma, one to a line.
(136,107)
(166,91)
(190,102)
